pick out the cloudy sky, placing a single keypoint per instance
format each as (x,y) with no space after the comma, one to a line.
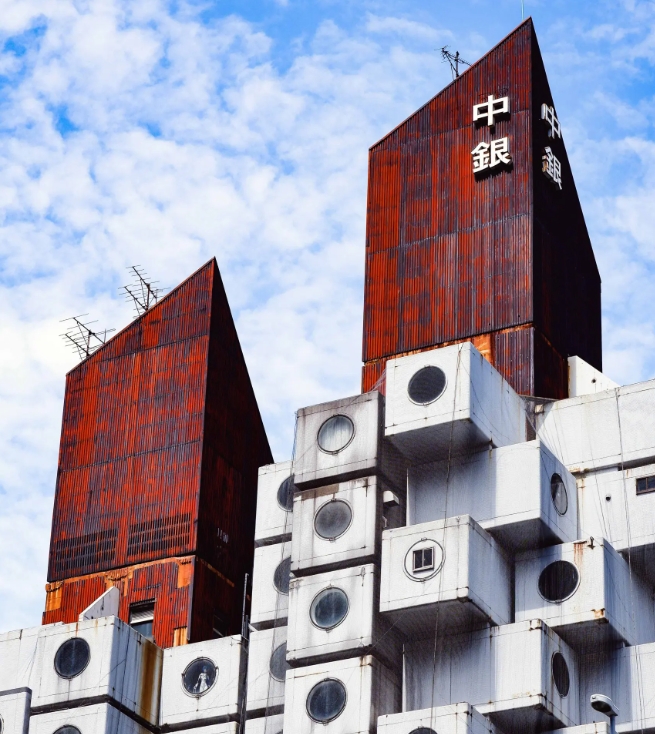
(164,133)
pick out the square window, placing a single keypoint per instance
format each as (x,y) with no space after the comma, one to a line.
(423,559)
(142,617)
(646,484)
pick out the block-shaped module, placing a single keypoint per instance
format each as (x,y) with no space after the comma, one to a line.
(98,658)
(17,654)
(99,718)
(335,614)
(341,697)
(609,429)
(524,677)
(619,505)
(452,568)
(460,718)
(521,494)
(15,711)
(341,524)
(202,683)
(580,590)
(343,440)
(270,586)
(275,489)
(267,669)
(265,725)
(449,401)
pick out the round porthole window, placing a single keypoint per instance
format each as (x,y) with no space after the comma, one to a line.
(278,665)
(329,608)
(423,730)
(424,560)
(427,385)
(68,729)
(558,581)
(333,519)
(558,494)
(335,434)
(281,576)
(285,494)
(560,674)
(72,657)
(199,676)
(326,700)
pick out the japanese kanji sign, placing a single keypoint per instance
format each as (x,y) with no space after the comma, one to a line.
(550,119)
(490,109)
(551,167)
(490,155)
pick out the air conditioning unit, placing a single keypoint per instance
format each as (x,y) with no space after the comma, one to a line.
(461,718)
(17,654)
(341,697)
(344,440)
(99,718)
(334,615)
(620,507)
(448,401)
(270,587)
(267,667)
(96,658)
(341,524)
(275,490)
(520,494)
(625,675)
(15,711)
(266,725)
(452,568)
(523,677)
(581,590)
(608,429)
(203,683)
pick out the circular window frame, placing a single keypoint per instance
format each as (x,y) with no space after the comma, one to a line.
(564,598)
(566,493)
(341,710)
(270,667)
(277,493)
(345,446)
(311,608)
(437,569)
(184,672)
(343,532)
(423,730)
(434,400)
(568,674)
(79,672)
(67,726)
(278,591)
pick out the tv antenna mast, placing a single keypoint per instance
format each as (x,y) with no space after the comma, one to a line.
(454,60)
(81,338)
(142,291)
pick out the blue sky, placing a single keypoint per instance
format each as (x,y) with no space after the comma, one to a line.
(166,133)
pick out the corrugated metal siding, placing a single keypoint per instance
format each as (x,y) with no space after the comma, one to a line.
(451,257)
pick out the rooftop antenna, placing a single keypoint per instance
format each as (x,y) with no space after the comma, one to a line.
(142,291)
(81,338)
(454,60)
(522,9)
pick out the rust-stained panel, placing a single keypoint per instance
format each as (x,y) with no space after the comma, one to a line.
(450,256)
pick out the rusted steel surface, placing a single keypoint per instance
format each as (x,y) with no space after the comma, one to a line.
(184,591)
(450,256)
(161,442)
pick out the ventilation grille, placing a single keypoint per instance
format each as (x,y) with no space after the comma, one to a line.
(168,534)
(84,553)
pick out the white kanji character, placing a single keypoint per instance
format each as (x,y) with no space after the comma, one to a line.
(481,157)
(551,167)
(549,117)
(500,152)
(490,109)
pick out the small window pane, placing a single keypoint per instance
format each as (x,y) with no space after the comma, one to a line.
(278,665)
(424,559)
(645,484)
(329,608)
(199,676)
(427,385)
(335,434)
(326,700)
(72,657)
(281,576)
(333,519)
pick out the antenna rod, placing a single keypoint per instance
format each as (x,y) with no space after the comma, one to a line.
(522,9)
